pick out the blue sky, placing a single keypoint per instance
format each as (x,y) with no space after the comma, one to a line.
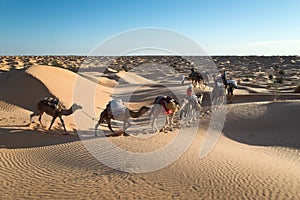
(224,27)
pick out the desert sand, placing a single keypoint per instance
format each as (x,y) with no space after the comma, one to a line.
(256,157)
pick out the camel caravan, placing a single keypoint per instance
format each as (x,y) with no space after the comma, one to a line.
(189,109)
(222,84)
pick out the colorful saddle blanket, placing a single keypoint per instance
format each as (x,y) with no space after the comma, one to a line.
(164,100)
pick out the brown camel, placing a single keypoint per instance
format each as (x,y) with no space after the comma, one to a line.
(54,108)
(123,114)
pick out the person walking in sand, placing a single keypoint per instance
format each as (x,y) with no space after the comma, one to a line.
(224,78)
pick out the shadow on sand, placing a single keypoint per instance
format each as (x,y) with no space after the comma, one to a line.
(278,126)
(21,138)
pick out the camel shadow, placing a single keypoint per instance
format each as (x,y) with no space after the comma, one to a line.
(278,126)
(18,138)
(12,138)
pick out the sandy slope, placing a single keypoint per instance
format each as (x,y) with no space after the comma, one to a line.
(257,162)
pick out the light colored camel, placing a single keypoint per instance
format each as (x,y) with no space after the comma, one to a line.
(158,110)
(123,115)
(53,108)
(218,94)
(190,108)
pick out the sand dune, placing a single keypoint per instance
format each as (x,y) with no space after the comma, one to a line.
(256,158)
(24,88)
(268,124)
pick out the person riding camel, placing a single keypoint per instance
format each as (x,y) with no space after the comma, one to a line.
(191,94)
(224,78)
(190,91)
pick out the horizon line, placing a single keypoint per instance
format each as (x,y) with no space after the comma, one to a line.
(86,55)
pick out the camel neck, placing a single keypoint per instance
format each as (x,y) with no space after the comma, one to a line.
(67,112)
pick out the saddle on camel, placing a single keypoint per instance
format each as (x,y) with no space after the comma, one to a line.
(165,102)
(52,102)
(115,108)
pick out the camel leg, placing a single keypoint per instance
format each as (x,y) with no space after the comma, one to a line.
(53,119)
(124,127)
(63,123)
(40,120)
(153,124)
(36,113)
(171,122)
(109,125)
(166,124)
(32,115)
(96,127)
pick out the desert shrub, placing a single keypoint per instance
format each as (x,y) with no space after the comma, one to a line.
(279,80)
(297,89)
(281,72)
(55,63)
(271,76)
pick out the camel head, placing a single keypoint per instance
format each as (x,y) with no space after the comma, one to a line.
(143,110)
(75,106)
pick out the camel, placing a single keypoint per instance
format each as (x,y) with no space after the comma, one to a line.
(198,79)
(230,86)
(158,110)
(190,107)
(123,114)
(54,108)
(218,94)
